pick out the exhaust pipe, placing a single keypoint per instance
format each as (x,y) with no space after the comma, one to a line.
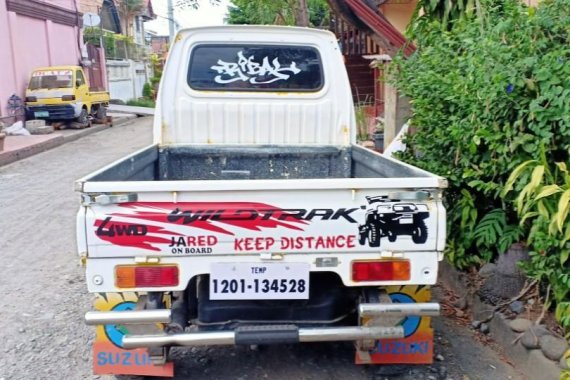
(374,310)
(260,335)
(127,317)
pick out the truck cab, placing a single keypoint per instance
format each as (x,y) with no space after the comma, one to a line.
(62,93)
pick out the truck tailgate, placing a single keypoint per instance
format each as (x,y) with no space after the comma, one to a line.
(305,219)
(99,96)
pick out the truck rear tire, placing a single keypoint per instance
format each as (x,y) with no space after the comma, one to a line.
(101,112)
(83,119)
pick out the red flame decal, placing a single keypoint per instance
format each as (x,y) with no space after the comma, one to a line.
(214,217)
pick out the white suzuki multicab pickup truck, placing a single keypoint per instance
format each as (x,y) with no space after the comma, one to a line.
(254,217)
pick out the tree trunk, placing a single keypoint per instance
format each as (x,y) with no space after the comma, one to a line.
(302,13)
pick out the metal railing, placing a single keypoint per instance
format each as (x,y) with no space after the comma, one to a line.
(117,47)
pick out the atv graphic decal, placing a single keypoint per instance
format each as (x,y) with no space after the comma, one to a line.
(392,218)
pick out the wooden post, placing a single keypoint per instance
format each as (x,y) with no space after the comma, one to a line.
(390,104)
(397,111)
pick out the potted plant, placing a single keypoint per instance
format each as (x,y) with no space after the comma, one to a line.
(379,135)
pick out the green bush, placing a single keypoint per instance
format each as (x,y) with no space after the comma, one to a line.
(147,91)
(489,93)
(92,35)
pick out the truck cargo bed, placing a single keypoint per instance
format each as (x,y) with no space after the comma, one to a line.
(179,163)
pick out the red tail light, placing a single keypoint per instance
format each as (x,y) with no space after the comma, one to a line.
(363,271)
(68,98)
(146,276)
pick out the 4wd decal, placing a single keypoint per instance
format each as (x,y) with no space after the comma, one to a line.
(132,234)
(232,227)
(392,218)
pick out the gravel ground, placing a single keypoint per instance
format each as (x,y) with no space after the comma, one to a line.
(42,285)
(44,294)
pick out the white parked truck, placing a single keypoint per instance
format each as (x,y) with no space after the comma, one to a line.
(254,217)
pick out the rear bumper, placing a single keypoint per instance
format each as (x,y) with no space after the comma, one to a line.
(262,334)
(55,112)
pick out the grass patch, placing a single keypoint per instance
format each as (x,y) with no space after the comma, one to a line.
(141,103)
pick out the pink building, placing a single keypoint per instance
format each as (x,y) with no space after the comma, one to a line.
(35,33)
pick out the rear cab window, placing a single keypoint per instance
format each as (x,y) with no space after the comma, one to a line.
(80,80)
(243,67)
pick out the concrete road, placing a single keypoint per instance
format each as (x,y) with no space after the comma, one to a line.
(44,294)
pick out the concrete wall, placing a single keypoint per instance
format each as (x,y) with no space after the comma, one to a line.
(120,85)
(29,42)
(126,79)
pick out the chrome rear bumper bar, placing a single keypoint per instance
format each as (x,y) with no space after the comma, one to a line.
(366,310)
(127,317)
(262,334)
(373,310)
(249,337)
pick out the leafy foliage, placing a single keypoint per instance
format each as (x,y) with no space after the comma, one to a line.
(280,12)
(445,12)
(192,4)
(157,64)
(543,203)
(490,92)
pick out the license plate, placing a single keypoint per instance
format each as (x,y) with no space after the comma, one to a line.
(259,281)
(41,114)
(406,221)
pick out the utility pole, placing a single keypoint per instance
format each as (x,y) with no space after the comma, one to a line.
(171,21)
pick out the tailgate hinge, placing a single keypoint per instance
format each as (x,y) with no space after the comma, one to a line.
(391,255)
(107,199)
(421,195)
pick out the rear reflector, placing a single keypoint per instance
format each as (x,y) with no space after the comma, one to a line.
(146,276)
(380,270)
